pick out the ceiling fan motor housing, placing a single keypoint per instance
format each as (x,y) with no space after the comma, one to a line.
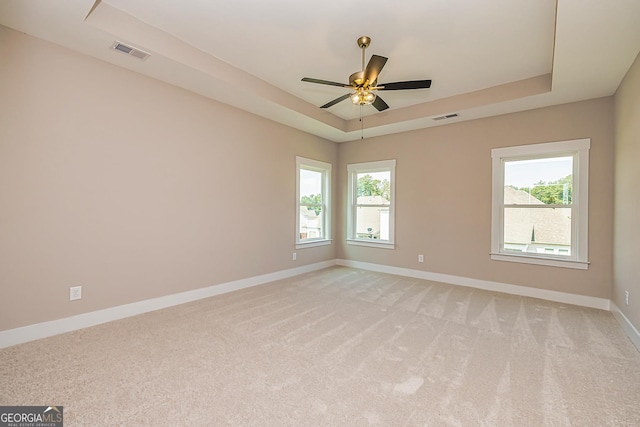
(357,78)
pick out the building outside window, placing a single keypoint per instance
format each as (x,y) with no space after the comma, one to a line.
(370,212)
(313,202)
(540,204)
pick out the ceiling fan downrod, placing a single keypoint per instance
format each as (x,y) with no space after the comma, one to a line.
(363,43)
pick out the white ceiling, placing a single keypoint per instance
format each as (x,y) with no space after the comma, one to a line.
(485,57)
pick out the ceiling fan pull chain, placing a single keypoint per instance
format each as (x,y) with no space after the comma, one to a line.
(361,123)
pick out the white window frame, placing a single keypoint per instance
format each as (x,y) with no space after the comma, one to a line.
(579,149)
(369,167)
(325,170)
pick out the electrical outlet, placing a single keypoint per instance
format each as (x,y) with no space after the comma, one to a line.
(295,256)
(420,258)
(75,293)
(626,297)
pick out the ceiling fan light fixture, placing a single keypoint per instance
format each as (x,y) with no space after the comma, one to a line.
(362,97)
(369,97)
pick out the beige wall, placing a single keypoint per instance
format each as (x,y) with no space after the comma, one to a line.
(443,195)
(627,195)
(133,188)
(136,189)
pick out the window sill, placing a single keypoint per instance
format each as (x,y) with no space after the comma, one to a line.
(552,262)
(313,243)
(371,243)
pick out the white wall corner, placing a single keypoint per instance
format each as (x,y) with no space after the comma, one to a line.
(627,326)
(55,327)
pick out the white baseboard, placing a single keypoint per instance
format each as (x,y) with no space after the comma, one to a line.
(627,326)
(566,298)
(46,329)
(68,324)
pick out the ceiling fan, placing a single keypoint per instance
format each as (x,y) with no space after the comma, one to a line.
(364,83)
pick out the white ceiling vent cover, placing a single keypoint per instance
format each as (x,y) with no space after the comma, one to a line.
(446,116)
(130,50)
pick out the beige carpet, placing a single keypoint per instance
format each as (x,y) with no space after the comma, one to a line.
(338,347)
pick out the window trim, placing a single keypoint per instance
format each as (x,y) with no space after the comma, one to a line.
(579,148)
(325,169)
(352,171)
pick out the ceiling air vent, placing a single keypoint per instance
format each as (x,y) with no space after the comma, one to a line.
(130,50)
(446,116)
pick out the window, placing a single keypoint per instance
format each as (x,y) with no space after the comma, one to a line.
(540,201)
(313,206)
(371,205)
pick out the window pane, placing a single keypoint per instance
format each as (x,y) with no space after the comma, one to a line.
(538,230)
(374,188)
(539,181)
(311,222)
(372,223)
(310,187)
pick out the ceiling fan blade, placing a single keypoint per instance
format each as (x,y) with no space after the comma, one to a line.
(335,101)
(374,67)
(411,84)
(324,82)
(379,104)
